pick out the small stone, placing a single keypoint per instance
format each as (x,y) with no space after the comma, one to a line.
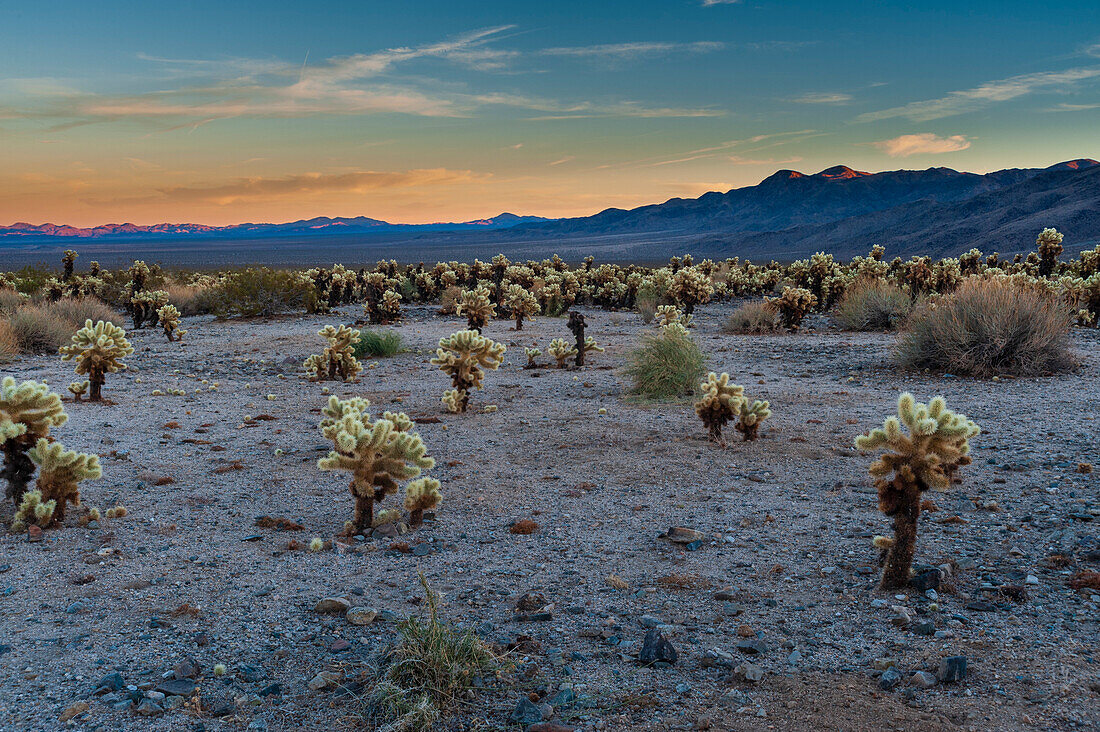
(34,534)
(649,621)
(952,668)
(149,708)
(110,682)
(188,668)
(749,672)
(324,680)
(889,679)
(726,594)
(176,687)
(361,615)
(753,647)
(338,605)
(926,578)
(526,712)
(655,648)
(251,674)
(173,702)
(76,709)
(683,535)
(271,690)
(925,628)
(922,680)
(76,608)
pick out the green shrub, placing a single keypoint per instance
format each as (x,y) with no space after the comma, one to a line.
(873,305)
(667,364)
(752,318)
(38,330)
(261,292)
(378,343)
(989,327)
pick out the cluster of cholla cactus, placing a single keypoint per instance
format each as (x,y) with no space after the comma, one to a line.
(462,356)
(28,411)
(561,351)
(476,307)
(144,306)
(98,350)
(1049,247)
(667,315)
(689,287)
(794,304)
(337,361)
(169,318)
(521,303)
(379,454)
(722,401)
(925,456)
(385,309)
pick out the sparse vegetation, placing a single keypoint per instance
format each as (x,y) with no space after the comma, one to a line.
(793,306)
(752,318)
(378,344)
(667,364)
(873,305)
(98,350)
(462,357)
(338,360)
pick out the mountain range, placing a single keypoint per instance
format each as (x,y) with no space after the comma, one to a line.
(938,211)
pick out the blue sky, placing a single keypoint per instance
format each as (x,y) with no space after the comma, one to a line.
(424,111)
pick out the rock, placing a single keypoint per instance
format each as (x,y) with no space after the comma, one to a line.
(340,644)
(902,616)
(260,725)
(794,658)
(332,605)
(726,594)
(716,657)
(749,672)
(753,647)
(110,682)
(925,578)
(272,690)
(324,680)
(922,680)
(176,687)
(926,627)
(173,702)
(251,674)
(149,708)
(361,615)
(188,668)
(530,602)
(981,606)
(76,709)
(649,621)
(656,648)
(683,535)
(564,698)
(526,712)
(952,668)
(890,678)
(34,533)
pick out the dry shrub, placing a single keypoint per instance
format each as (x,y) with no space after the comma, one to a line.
(668,364)
(75,311)
(260,292)
(523,526)
(38,330)
(989,327)
(10,301)
(646,301)
(191,300)
(448,301)
(9,344)
(752,318)
(1086,579)
(873,305)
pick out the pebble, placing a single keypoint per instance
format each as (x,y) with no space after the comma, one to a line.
(332,605)
(952,668)
(656,648)
(526,712)
(749,672)
(923,680)
(361,615)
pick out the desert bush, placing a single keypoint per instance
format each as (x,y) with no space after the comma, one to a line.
(646,301)
(926,458)
(261,292)
(38,330)
(989,327)
(10,301)
(448,301)
(9,343)
(97,350)
(666,364)
(378,343)
(76,311)
(752,318)
(192,300)
(873,305)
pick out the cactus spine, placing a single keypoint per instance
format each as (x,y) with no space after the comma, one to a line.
(378,454)
(925,458)
(98,350)
(462,356)
(338,360)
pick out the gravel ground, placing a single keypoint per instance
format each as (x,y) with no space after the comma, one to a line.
(787,557)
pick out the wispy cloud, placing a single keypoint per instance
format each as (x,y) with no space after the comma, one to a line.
(260,188)
(562,161)
(959,102)
(823,98)
(632,50)
(736,160)
(710,3)
(1066,107)
(925,143)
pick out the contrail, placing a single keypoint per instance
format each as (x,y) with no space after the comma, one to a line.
(303,69)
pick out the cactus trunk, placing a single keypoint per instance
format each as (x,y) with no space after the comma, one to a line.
(95,386)
(519,321)
(416,518)
(899,558)
(18,470)
(364,511)
(576,324)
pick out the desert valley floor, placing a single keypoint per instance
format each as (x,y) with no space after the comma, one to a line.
(786,569)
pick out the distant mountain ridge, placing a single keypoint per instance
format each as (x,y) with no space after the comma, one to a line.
(320,226)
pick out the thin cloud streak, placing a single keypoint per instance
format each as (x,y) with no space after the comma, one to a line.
(925,143)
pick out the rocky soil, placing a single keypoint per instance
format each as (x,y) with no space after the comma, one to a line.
(773,615)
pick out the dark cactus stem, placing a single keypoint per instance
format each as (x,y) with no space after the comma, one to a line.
(899,558)
(576,324)
(95,386)
(519,320)
(18,470)
(364,511)
(416,518)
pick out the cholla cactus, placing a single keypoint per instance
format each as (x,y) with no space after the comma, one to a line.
(793,305)
(379,454)
(386,310)
(584,345)
(532,354)
(98,350)
(462,356)
(27,412)
(690,287)
(60,472)
(421,495)
(338,360)
(751,417)
(67,262)
(1049,246)
(78,389)
(561,351)
(169,317)
(476,307)
(32,509)
(925,458)
(522,304)
(721,402)
(144,306)
(668,314)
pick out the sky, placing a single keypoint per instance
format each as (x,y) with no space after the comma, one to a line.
(421,110)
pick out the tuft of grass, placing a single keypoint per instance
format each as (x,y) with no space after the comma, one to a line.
(989,327)
(191,300)
(428,669)
(873,305)
(75,311)
(10,301)
(378,343)
(646,301)
(752,318)
(9,344)
(38,330)
(666,365)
